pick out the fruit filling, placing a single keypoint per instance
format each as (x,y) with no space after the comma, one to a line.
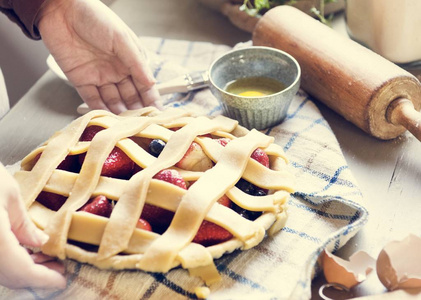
(153,218)
(154,190)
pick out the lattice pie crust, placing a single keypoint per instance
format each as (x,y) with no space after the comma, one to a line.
(120,244)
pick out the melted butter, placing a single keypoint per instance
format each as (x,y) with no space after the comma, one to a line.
(252,94)
(254,86)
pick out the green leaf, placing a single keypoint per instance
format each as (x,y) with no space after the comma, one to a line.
(255,8)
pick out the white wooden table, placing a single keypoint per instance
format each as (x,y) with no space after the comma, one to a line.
(388,172)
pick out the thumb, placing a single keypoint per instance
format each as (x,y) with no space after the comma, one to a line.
(22,226)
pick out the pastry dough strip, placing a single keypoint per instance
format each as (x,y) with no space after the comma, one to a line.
(138,241)
(168,196)
(255,172)
(128,209)
(199,199)
(101,145)
(54,153)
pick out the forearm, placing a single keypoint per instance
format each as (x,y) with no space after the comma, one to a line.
(23,13)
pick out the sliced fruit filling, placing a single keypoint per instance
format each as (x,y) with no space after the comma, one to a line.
(154,218)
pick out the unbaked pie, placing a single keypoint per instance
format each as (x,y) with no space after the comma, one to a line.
(154,190)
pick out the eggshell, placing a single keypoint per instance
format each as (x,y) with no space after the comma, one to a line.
(399,264)
(347,273)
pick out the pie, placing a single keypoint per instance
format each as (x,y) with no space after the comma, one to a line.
(154,190)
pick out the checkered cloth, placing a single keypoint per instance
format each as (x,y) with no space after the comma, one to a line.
(325,211)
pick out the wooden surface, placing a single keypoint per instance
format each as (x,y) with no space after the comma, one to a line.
(388,172)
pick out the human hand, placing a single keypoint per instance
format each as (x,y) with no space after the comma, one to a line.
(18,267)
(100,55)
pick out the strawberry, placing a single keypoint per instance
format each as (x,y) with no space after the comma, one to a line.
(143,224)
(171,176)
(98,206)
(223,141)
(210,233)
(51,200)
(158,217)
(259,155)
(89,133)
(195,159)
(137,168)
(69,163)
(117,164)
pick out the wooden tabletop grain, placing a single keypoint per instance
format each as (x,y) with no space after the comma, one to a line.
(388,172)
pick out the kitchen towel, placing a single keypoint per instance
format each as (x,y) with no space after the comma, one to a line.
(325,211)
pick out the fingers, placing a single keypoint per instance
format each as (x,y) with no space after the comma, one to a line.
(133,56)
(23,228)
(149,98)
(18,269)
(129,94)
(48,261)
(16,218)
(119,97)
(91,96)
(112,99)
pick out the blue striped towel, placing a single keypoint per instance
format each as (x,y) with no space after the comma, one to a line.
(325,212)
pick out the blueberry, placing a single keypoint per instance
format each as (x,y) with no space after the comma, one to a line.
(156,147)
(248,214)
(250,188)
(260,192)
(246,186)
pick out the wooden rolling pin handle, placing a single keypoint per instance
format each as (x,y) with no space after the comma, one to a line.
(402,112)
(346,76)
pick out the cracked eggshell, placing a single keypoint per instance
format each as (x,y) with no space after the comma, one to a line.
(399,264)
(347,273)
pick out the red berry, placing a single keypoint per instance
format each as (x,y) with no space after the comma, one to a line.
(98,206)
(137,168)
(51,200)
(223,141)
(260,156)
(171,176)
(225,201)
(89,133)
(70,163)
(143,224)
(210,233)
(117,164)
(159,218)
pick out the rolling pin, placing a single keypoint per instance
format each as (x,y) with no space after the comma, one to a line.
(368,90)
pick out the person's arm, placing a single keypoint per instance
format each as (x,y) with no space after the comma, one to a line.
(98,52)
(23,13)
(18,267)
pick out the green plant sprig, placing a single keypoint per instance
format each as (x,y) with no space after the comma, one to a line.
(258,7)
